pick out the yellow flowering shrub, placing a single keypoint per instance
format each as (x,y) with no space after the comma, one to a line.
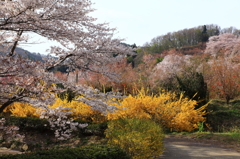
(167,109)
(22,110)
(139,138)
(80,110)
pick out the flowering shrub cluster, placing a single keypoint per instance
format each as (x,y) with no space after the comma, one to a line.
(22,110)
(80,110)
(140,138)
(167,109)
(59,121)
(59,118)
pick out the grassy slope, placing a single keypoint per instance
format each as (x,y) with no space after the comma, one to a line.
(223,117)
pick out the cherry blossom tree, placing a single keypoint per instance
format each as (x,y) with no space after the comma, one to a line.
(165,72)
(85,45)
(20,78)
(226,45)
(225,64)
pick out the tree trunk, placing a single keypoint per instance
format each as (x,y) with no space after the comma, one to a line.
(228,99)
(9,102)
(19,34)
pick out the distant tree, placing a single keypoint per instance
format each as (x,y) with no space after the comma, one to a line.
(217,31)
(181,38)
(134,45)
(224,82)
(164,73)
(159,59)
(213,30)
(225,65)
(60,75)
(193,86)
(144,70)
(205,35)
(225,45)
(231,30)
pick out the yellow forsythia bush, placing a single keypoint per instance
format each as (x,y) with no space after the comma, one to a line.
(80,110)
(22,110)
(167,109)
(139,138)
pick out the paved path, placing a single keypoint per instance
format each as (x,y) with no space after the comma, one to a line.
(190,149)
(4,151)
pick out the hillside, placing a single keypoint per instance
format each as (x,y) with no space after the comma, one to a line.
(26,54)
(186,37)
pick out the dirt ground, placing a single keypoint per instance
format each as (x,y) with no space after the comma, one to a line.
(183,148)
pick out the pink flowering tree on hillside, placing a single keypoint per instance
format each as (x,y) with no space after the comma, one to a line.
(224,45)
(165,72)
(224,79)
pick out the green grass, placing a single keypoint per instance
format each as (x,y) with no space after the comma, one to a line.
(224,117)
(235,136)
(227,137)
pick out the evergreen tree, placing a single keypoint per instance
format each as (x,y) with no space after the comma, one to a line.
(205,35)
(194,87)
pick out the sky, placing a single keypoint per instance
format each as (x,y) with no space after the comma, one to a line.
(139,21)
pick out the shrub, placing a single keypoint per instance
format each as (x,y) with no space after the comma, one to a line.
(139,138)
(159,59)
(29,123)
(96,129)
(9,133)
(42,125)
(22,110)
(167,109)
(80,110)
(194,87)
(86,152)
